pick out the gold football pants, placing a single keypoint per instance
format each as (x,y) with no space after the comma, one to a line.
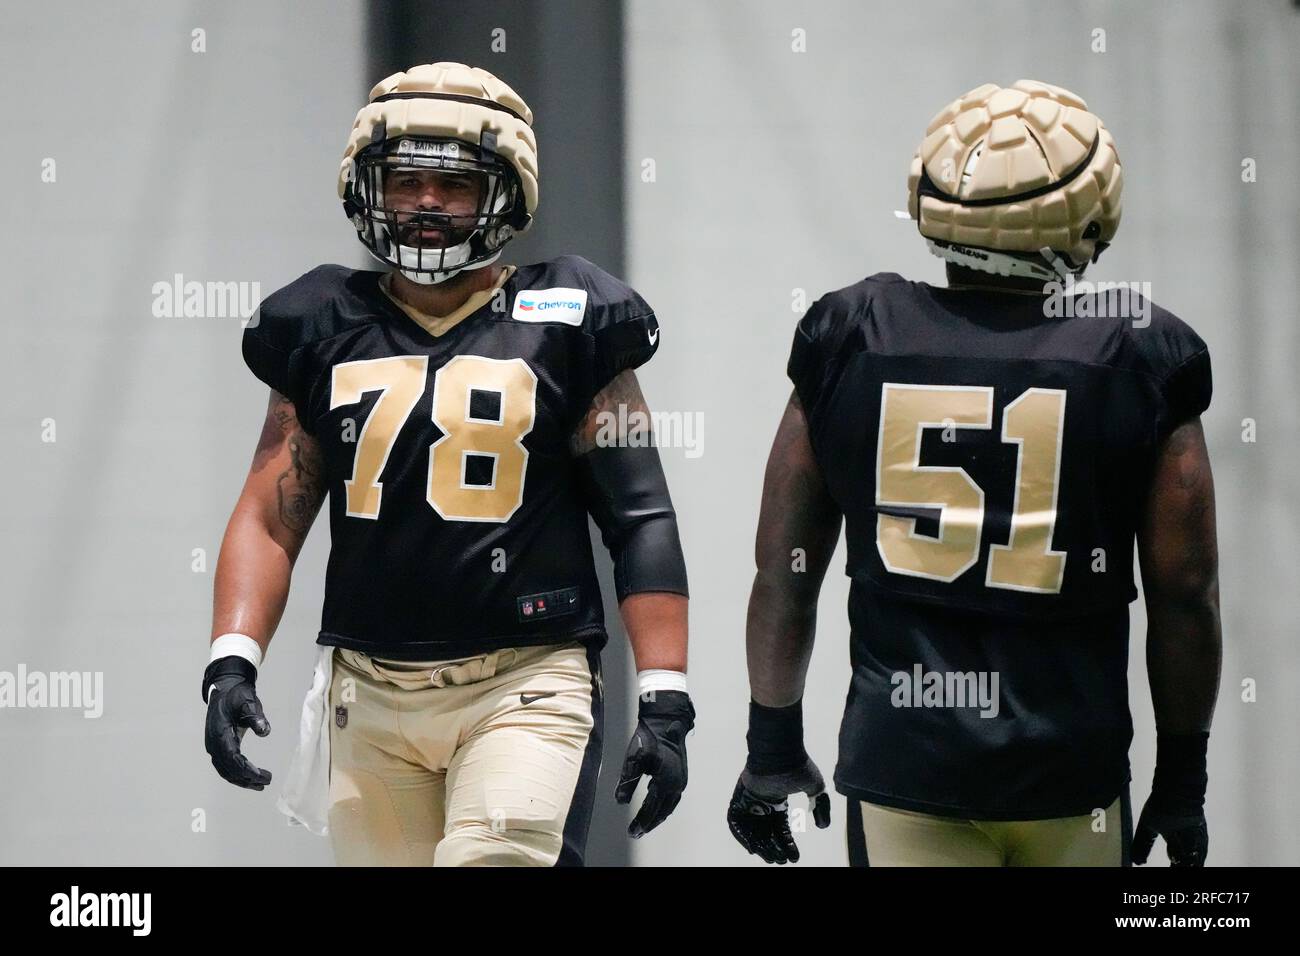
(886,836)
(490,760)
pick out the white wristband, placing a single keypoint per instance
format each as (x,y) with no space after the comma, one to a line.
(652,680)
(237,645)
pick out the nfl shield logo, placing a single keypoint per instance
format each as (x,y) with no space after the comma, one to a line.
(341,716)
(528,608)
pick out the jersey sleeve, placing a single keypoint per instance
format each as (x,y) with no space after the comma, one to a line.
(625,342)
(267,346)
(1187,390)
(622,327)
(277,337)
(1186,382)
(817,341)
(277,342)
(805,361)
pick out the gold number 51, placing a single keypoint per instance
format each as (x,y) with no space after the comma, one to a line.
(1034,421)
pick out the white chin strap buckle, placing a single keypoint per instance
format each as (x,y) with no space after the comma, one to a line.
(1000,263)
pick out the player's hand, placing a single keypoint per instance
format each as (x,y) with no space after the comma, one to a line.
(229,687)
(657,749)
(1176,808)
(759,815)
(1187,838)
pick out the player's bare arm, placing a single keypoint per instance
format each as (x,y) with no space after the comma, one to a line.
(281,497)
(798,527)
(276,508)
(1179,558)
(629,499)
(623,390)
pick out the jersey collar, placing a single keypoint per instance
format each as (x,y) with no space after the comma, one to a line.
(437,325)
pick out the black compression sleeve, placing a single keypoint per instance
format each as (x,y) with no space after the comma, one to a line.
(628,497)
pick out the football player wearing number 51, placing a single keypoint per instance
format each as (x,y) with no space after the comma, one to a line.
(993,448)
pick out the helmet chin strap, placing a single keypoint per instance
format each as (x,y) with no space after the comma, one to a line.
(1053,269)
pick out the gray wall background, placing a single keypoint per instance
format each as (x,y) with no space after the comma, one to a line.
(218,166)
(778,171)
(774,171)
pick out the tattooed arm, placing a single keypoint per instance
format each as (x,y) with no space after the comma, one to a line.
(623,390)
(1179,555)
(280,500)
(655,620)
(798,527)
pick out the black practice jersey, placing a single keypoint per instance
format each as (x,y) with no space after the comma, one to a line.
(456,523)
(991,462)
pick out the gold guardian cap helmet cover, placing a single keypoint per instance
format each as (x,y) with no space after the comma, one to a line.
(1013,180)
(456,120)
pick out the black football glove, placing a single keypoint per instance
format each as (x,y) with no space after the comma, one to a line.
(658,748)
(233,708)
(778,766)
(1176,808)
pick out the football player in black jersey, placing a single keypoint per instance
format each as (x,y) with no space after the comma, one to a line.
(993,449)
(462,417)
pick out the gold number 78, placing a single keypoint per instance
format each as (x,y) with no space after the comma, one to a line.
(400,380)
